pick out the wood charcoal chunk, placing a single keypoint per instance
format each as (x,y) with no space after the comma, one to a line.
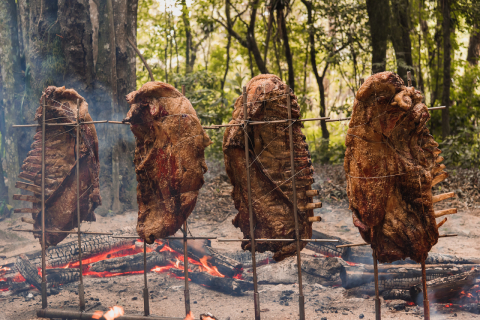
(60,165)
(270,168)
(169,158)
(390,165)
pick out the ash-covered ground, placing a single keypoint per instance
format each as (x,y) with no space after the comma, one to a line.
(212,217)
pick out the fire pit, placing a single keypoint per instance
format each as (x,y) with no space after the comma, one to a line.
(109,257)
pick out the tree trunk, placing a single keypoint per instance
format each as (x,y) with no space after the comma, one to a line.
(188,36)
(3,186)
(11,84)
(282,24)
(378,18)
(400,33)
(447,60)
(227,62)
(318,77)
(474,46)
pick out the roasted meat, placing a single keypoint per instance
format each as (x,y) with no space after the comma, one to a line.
(169,158)
(270,168)
(391,164)
(60,165)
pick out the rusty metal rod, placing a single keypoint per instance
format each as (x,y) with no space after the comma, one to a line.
(146,299)
(81,293)
(186,291)
(62,231)
(168,238)
(65,314)
(426,303)
(279,240)
(378,312)
(301,297)
(366,244)
(256,297)
(44,267)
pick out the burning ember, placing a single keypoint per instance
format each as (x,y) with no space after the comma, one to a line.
(111,314)
(176,262)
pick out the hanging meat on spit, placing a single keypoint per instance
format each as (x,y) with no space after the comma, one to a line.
(169,158)
(60,166)
(270,168)
(391,164)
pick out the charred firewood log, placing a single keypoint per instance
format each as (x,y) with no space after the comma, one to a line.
(391,164)
(60,166)
(270,168)
(169,158)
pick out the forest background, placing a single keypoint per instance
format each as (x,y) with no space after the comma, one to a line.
(322,48)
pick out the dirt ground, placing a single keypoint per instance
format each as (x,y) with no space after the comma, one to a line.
(212,217)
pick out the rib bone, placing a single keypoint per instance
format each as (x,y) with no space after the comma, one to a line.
(441,213)
(314,219)
(438,169)
(439,178)
(439,159)
(443,196)
(312,193)
(310,206)
(441,223)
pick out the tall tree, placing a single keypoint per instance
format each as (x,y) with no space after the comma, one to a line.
(248,41)
(58,48)
(282,28)
(378,18)
(11,85)
(447,61)
(400,35)
(473,53)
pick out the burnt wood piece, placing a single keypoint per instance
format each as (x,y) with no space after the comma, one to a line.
(55,277)
(354,276)
(28,271)
(226,285)
(222,263)
(328,249)
(133,262)
(388,284)
(62,254)
(443,289)
(397,294)
(225,261)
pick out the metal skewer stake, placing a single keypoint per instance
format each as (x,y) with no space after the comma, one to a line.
(146,302)
(256,297)
(81,293)
(44,268)
(378,312)
(426,303)
(301,297)
(185,256)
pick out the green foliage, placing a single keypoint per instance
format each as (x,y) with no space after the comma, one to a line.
(343,53)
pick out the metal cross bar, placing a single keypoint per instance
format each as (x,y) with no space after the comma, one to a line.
(64,231)
(256,297)
(167,238)
(278,240)
(81,293)
(366,244)
(57,124)
(301,297)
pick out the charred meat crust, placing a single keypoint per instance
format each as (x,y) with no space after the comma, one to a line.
(389,163)
(60,164)
(169,158)
(269,168)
